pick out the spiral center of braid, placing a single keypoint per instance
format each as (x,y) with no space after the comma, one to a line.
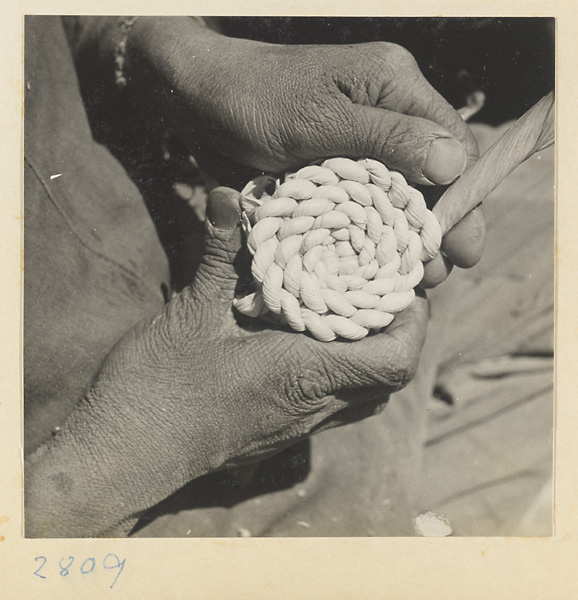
(337,248)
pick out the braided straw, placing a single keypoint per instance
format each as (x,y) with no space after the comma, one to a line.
(337,248)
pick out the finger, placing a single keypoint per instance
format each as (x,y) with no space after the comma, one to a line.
(464,243)
(217,276)
(425,152)
(413,95)
(387,360)
(462,246)
(436,271)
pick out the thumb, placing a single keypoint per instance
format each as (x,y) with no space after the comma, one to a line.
(387,360)
(425,152)
(217,277)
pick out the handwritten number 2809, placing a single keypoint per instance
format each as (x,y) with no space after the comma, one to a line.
(110,562)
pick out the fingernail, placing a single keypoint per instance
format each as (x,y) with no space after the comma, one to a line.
(223,208)
(446,160)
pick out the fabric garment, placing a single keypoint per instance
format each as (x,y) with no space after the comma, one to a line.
(93,262)
(100,256)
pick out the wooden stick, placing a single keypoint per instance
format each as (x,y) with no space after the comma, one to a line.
(533,132)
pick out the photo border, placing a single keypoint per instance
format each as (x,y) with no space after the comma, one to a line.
(253,568)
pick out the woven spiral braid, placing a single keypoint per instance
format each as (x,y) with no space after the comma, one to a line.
(337,249)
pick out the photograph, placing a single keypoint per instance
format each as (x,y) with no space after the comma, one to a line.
(288,276)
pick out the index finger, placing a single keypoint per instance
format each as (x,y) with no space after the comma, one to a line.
(387,359)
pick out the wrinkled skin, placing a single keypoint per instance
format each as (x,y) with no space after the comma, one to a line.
(273,108)
(369,100)
(192,390)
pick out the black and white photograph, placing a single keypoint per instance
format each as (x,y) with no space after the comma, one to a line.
(288,276)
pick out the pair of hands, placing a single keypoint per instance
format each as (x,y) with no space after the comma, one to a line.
(193,390)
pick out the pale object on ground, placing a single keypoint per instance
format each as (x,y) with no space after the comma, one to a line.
(431,524)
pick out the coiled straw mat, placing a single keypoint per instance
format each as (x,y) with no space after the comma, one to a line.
(338,248)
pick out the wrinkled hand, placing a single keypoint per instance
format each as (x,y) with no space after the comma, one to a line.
(242,106)
(193,391)
(252,388)
(275,108)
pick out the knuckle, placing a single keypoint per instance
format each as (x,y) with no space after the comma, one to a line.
(400,56)
(305,388)
(386,61)
(368,72)
(171,328)
(303,395)
(396,56)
